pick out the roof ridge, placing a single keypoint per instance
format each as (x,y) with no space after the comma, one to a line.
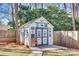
(31,21)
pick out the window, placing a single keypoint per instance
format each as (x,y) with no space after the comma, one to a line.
(26,33)
(32,30)
(49,35)
(32,35)
(49,32)
(41,24)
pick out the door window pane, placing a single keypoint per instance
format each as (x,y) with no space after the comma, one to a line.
(38,33)
(44,32)
(33,30)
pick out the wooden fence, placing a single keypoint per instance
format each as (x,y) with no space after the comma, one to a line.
(63,38)
(67,38)
(7,36)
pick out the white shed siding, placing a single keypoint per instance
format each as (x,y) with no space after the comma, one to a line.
(41,20)
(33,24)
(29,39)
(22,36)
(26,37)
(50,40)
(26,41)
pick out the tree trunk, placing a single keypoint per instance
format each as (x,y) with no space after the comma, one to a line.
(42,5)
(12,13)
(16,24)
(73,16)
(30,4)
(58,4)
(35,5)
(65,6)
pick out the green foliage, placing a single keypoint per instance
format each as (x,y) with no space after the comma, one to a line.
(77,23)
(12,25)
(56,16)
(11,29)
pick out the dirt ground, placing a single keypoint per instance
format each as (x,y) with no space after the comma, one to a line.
(21,50)
(61,52)
(14,50)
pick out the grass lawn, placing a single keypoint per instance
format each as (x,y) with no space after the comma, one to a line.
(14,50)
(61,52)
(21,50)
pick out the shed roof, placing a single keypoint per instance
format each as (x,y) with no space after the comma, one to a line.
(30,22)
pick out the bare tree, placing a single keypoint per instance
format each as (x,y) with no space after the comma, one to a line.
(65,6)
(35,5)
(12,13)
(73,16)
(42,5)
(16,23)
(30,4)
(58,4)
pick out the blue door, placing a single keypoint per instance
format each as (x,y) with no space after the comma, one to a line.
(42,36)
(39,36)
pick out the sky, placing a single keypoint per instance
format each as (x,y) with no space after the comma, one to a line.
(4,13)
(5,10)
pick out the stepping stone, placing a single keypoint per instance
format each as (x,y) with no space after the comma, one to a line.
(36,53)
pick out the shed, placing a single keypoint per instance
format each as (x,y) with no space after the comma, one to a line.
(36,32)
